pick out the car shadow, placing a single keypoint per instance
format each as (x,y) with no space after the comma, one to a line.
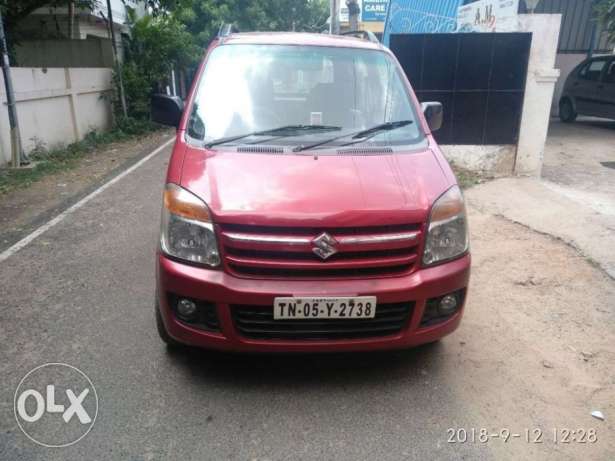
(603,124)
(278,371)
(585,121)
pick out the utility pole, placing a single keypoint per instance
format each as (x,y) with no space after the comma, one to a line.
(334,23)
(118,68)
(353,14)
(17,154)
(71,18)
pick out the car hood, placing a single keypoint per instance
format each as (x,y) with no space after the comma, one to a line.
(309,190)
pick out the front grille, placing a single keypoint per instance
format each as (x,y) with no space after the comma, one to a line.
(256,322)
(288,252)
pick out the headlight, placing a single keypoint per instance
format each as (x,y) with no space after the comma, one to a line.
(187,231)
(447,235)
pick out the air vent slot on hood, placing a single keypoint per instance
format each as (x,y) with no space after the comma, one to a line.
(365,151)
(261,149)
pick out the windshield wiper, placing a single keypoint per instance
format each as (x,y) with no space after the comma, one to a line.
(278,132)
(360,136)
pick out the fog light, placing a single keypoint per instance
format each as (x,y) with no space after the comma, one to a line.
(186,308)
(447,305)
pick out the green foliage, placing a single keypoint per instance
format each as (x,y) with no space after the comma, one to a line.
(156,45)
(204,17)
(129,127)
(137,89)
(606,13)
(468,178)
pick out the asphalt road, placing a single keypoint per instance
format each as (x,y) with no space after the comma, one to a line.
(82,294)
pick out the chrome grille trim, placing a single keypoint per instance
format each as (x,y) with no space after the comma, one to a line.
(342,240)
(384,238)
(256,238)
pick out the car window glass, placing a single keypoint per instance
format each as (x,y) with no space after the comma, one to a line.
(593,70)
(247,88)
(610,74)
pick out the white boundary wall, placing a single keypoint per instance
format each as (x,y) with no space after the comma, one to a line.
(55,106)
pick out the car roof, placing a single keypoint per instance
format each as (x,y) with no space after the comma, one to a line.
(597,57)
(299,38)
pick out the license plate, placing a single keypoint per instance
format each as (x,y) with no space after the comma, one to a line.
(359,307)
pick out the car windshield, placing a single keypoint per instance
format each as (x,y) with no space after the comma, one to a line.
(249,89)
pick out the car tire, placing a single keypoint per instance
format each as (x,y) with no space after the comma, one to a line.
(162,331)
(567,114)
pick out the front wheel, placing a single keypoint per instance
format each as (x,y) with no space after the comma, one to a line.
(567,114)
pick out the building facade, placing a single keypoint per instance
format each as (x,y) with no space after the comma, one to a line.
(53,37)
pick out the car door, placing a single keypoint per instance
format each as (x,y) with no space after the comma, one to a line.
(606,90)
(585,89)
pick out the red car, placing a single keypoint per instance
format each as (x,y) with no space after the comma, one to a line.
(307,206)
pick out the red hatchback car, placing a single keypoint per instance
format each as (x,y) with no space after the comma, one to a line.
(307,207)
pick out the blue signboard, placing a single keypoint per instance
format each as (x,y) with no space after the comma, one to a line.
(374,10)
(420,17)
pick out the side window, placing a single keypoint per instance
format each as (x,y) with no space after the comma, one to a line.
(610,73)
(593,70)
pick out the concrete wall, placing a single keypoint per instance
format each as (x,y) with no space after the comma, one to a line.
(55,106)
(541,79)
(494,159)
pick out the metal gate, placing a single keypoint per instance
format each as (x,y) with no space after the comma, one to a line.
(478,77)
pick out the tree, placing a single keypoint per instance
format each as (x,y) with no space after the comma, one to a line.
(204,17)
(606,13)
(156,45)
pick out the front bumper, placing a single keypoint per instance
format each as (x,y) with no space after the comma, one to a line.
(224,289)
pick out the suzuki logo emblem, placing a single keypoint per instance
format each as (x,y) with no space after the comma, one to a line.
(324,245)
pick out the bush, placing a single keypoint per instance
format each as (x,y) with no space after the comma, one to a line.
(155,46)
(131,126)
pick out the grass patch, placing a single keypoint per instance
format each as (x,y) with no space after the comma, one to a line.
(49,161)
(468,178)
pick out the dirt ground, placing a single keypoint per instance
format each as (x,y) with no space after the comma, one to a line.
(537,342)
(23,210)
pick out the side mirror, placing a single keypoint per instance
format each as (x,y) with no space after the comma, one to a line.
(167,110)
(434,113)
